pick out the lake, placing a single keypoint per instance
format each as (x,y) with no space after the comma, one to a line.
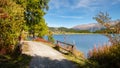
(83,42)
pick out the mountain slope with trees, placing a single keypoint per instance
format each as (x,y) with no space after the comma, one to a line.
(62,30)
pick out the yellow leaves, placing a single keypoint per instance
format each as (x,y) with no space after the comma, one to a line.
(3,14)
(11,26)
(36,0)
(3,2)
(102,18)
(1,10)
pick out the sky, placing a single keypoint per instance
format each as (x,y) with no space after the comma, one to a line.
(69,13)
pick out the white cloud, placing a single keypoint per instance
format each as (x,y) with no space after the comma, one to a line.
(88,4)
(73,17)
(85,6)
(115,2)
(76,4)
(51,14)
(59,4)
(62,16)
(83,3)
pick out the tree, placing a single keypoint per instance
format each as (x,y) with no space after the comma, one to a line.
(42,28)
(50,37)
(104,19)
(116,28)
(35,10)
(101,55)
(11,23)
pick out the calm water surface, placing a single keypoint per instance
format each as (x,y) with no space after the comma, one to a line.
(83,42)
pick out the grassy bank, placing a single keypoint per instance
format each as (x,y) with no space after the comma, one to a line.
(78,57)
(15,60)
(21,61)
(103,57)
(71,33)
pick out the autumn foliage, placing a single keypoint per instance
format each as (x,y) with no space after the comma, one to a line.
(107,56)
(11,23)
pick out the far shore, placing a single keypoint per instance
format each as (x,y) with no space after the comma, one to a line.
(73,33)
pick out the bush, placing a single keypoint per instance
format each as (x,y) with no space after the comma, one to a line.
(106,56)
(50,37)
(11,22)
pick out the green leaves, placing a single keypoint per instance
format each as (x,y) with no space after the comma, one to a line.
(34,17)
(50,37)
(11,25)
(16,15)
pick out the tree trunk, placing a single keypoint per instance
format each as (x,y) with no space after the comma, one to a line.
(33,34)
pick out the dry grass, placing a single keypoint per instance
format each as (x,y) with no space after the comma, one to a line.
(25,48)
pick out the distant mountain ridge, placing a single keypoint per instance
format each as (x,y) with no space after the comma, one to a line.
(90,27)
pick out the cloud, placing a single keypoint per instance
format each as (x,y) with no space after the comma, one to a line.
(82,3)
(51,14)
(82,7)
(73,17)
(76,4)
(89,4)
(69,17)
(57,4)
(115,2)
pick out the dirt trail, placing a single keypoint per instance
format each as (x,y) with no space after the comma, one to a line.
(46,57)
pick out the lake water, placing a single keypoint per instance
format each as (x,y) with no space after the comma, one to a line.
(83,42)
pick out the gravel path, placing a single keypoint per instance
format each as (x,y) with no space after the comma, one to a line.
(46,57)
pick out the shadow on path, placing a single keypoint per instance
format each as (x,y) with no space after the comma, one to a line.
(46,62)
(21,61)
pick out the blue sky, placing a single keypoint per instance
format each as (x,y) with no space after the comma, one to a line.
(69,13)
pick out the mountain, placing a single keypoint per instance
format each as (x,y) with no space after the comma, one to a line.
(90,27)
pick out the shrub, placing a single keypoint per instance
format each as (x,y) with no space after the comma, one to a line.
(106,56)
(50,37)
(11,22)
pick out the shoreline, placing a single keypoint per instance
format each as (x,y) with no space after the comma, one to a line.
(72,33)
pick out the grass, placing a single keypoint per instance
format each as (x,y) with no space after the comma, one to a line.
(15,60)
(106,56)
(25,48)
(101,57)
(79,62)
(21,61)
(77,58)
